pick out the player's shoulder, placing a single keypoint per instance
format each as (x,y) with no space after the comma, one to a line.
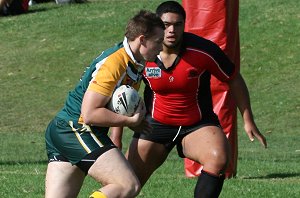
(191,40)
(113,51)
(115,55)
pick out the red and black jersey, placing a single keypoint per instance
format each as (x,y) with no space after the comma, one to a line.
(180,95)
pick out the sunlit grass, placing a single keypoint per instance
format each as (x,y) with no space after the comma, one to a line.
(42,56)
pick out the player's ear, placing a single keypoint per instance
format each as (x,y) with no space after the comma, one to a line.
(142,39)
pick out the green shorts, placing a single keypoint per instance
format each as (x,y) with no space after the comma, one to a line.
(79,144)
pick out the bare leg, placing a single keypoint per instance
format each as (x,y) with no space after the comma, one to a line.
(63,180)
(115,173)
(145,157)
(209,147)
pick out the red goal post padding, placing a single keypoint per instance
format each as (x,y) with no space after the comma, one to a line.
(217,20)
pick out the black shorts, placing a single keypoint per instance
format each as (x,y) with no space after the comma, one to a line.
(170,136)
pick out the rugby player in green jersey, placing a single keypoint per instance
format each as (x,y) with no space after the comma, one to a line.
(76,139)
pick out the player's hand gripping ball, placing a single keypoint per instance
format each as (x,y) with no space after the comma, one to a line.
(124,100)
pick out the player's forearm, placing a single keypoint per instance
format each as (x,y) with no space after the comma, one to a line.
(242,97)
(95,113)
(117,132)
(105,117)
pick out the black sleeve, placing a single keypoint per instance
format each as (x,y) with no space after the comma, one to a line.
(194,41)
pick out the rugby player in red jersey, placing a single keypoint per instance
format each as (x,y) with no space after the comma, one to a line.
(179,104)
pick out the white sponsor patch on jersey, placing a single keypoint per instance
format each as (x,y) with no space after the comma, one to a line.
(153,72)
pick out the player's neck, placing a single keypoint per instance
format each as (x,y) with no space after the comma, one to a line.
(168,59)
(169,55)
(172,49)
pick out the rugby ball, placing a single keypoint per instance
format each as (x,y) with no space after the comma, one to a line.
(124,100)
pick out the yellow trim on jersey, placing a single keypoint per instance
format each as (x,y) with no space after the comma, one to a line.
(110,72)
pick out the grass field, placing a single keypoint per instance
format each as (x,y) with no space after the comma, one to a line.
(42,56)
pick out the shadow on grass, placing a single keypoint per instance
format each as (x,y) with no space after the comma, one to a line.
(23,162)
(37,10)
(276,176)
(34,10)
(42,9)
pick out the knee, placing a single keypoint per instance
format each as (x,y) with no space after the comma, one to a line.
(221,160)
(131,189)
(135,189)
(126,187)
(217,161)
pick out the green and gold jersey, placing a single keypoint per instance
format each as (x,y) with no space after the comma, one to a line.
(114,67)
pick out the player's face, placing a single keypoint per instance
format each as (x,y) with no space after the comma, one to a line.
(151,46)
(174,24)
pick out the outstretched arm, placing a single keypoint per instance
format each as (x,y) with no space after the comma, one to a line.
(242,98)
